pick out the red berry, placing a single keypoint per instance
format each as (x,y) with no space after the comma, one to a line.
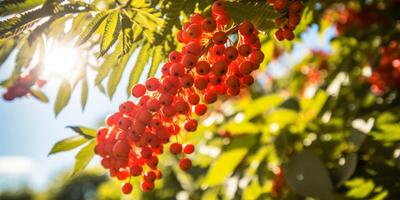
(189,61)
(218,7)
(219,38)
(202,67)
(219,68)
(200,109)
(231,53)
(279,35)
(185,164)
(147,186)
(245,67)
(244,50)
(149,176)
(190,125)
(127,188)
(201,82)
(136,170)
(152,84)
(208,25)
(193,98)
(175,56)
(175,148)
(138,90)
(194,31)
(210,97)
(188,149)
(177,69)
(246,28)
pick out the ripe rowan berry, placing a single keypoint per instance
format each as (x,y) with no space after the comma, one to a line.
(175,148)
(188,149)
(127,188)
(185,164)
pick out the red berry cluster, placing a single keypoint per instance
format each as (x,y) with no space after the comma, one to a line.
(209,65)
(350,18)
(386,76)
(21,86)
(288,23)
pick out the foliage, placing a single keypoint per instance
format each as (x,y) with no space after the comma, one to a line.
(321,124)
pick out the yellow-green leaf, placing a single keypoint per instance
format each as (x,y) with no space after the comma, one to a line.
(138,68)
(84,131)
(111,32)
(155,61)
(116,74)
(84,93)
(84,156)
(39,95)
(68,144)
(92,27)
(63,96)
(220,170)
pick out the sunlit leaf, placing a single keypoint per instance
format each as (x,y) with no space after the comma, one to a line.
(39,95)
(84,131)
(116,74)
(219,170)
(63,96)
(68,144)
(111,32)
(92,27)
(84,93)
(359,187)
(156,59)
(138,68)
(84,156)
(8,7)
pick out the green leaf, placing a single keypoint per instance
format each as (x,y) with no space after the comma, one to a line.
(260,13)
(241,127)
(6,47)
(388,133)
(127,34)
(157,57)
(8,7)
(84,131)
(359,188)
(84,156)
(111,32)
(39,95)
(92,27)
(252,109)
(219,170)
(68,144)
(84,93)
(63,96)
(138,68)
(116,74)
(306,175)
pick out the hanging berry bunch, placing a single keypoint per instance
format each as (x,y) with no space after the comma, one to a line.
(208,66)
(21,86)
(386,75)
(288,23)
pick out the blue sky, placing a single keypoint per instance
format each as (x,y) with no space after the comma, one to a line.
(29,128)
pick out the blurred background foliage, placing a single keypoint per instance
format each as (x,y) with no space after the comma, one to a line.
(326,129)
